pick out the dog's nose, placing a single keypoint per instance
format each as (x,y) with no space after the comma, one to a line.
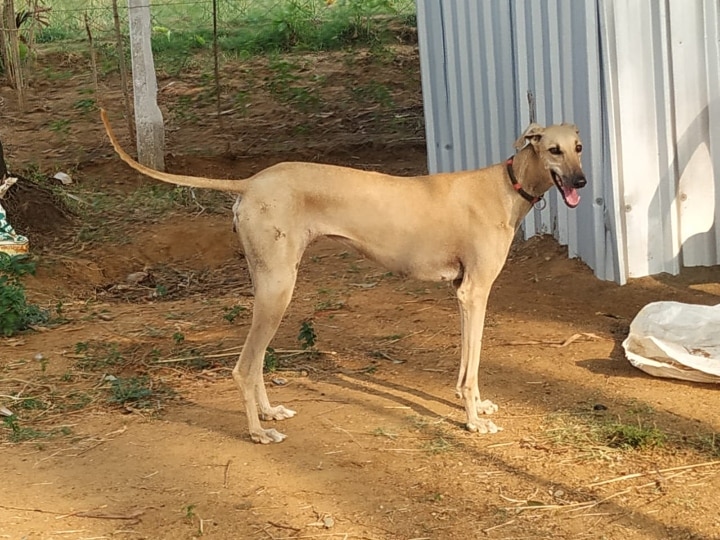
(579,182)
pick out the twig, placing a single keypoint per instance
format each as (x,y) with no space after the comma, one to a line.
(225,474)
(657,471)
(281,526)
(498,526)
(100,515)
(39,510)
(554,342)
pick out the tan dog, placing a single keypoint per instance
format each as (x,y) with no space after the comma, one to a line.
(454,227)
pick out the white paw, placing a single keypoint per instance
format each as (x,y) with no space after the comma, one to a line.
(277,413)
(266,436)
(486,407)
(483,426)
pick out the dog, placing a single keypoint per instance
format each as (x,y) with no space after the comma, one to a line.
(455,227)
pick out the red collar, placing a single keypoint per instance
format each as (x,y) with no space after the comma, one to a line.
(515,184)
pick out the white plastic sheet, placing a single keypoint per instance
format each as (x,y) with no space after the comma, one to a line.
(675,340)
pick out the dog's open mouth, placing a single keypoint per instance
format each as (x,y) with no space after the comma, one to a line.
(569,193)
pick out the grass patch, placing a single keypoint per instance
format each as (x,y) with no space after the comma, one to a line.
(16,313)
(19,433)
(633,436)
(138,392)
(596,434)
(95,355)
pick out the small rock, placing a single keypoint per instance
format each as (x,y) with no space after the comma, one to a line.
(328,522)
(64,178)
(599,407)
(278,381)
(136,278)
(39,356)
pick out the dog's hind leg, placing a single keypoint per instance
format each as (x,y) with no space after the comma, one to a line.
(273,286)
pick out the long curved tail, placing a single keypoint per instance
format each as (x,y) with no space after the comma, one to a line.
(233,186)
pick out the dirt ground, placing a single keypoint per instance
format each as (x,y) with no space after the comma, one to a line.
(377,450)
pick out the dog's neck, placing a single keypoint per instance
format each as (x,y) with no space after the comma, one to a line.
(533,178)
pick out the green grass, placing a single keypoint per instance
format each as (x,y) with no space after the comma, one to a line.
(244,26)
(16,313)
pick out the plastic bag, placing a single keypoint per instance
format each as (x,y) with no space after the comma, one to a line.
(675,340)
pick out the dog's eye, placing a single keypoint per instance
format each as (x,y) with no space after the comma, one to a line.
(578,148)
(555,150)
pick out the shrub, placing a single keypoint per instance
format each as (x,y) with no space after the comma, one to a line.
(16,313)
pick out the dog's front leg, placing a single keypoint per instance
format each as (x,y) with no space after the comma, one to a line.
(472,299)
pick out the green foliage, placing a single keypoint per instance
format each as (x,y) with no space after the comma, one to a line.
(629,436)
(181,30)
(307,336)
(20,433)
(270,362)
(232,313)
(16,314)
(97,354)
(135,391)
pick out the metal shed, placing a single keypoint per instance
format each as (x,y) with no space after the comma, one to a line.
(640,78)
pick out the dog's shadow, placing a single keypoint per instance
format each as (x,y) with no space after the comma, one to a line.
(396,393)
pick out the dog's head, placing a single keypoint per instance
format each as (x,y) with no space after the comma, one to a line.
(559,148)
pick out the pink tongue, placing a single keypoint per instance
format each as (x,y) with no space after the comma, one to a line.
(572,198)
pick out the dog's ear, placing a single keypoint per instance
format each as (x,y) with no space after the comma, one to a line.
(532,135)
(571,126)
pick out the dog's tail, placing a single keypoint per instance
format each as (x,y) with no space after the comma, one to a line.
(233,186)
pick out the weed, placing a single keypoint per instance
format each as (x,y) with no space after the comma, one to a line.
(232,313)
(161,291)
(31,404)
(626,436)
(380,432)
(74,401)
(178,338)
(135,391)
(329,305)
(43,362)
(373,93)
(16,313)
(60,126)
(85,105)
(19,433)
(307,336)
(438,445)
(97,355)
(189,512)
(592,433)
(270,362)
(708,443)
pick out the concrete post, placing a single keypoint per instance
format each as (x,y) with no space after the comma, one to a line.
(148,118)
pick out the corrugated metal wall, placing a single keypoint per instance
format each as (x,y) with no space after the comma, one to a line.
(640,78)
(664,89)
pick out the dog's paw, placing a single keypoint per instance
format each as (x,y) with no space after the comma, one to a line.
(267,436)
(277,413)
(486,407)
(482,426)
